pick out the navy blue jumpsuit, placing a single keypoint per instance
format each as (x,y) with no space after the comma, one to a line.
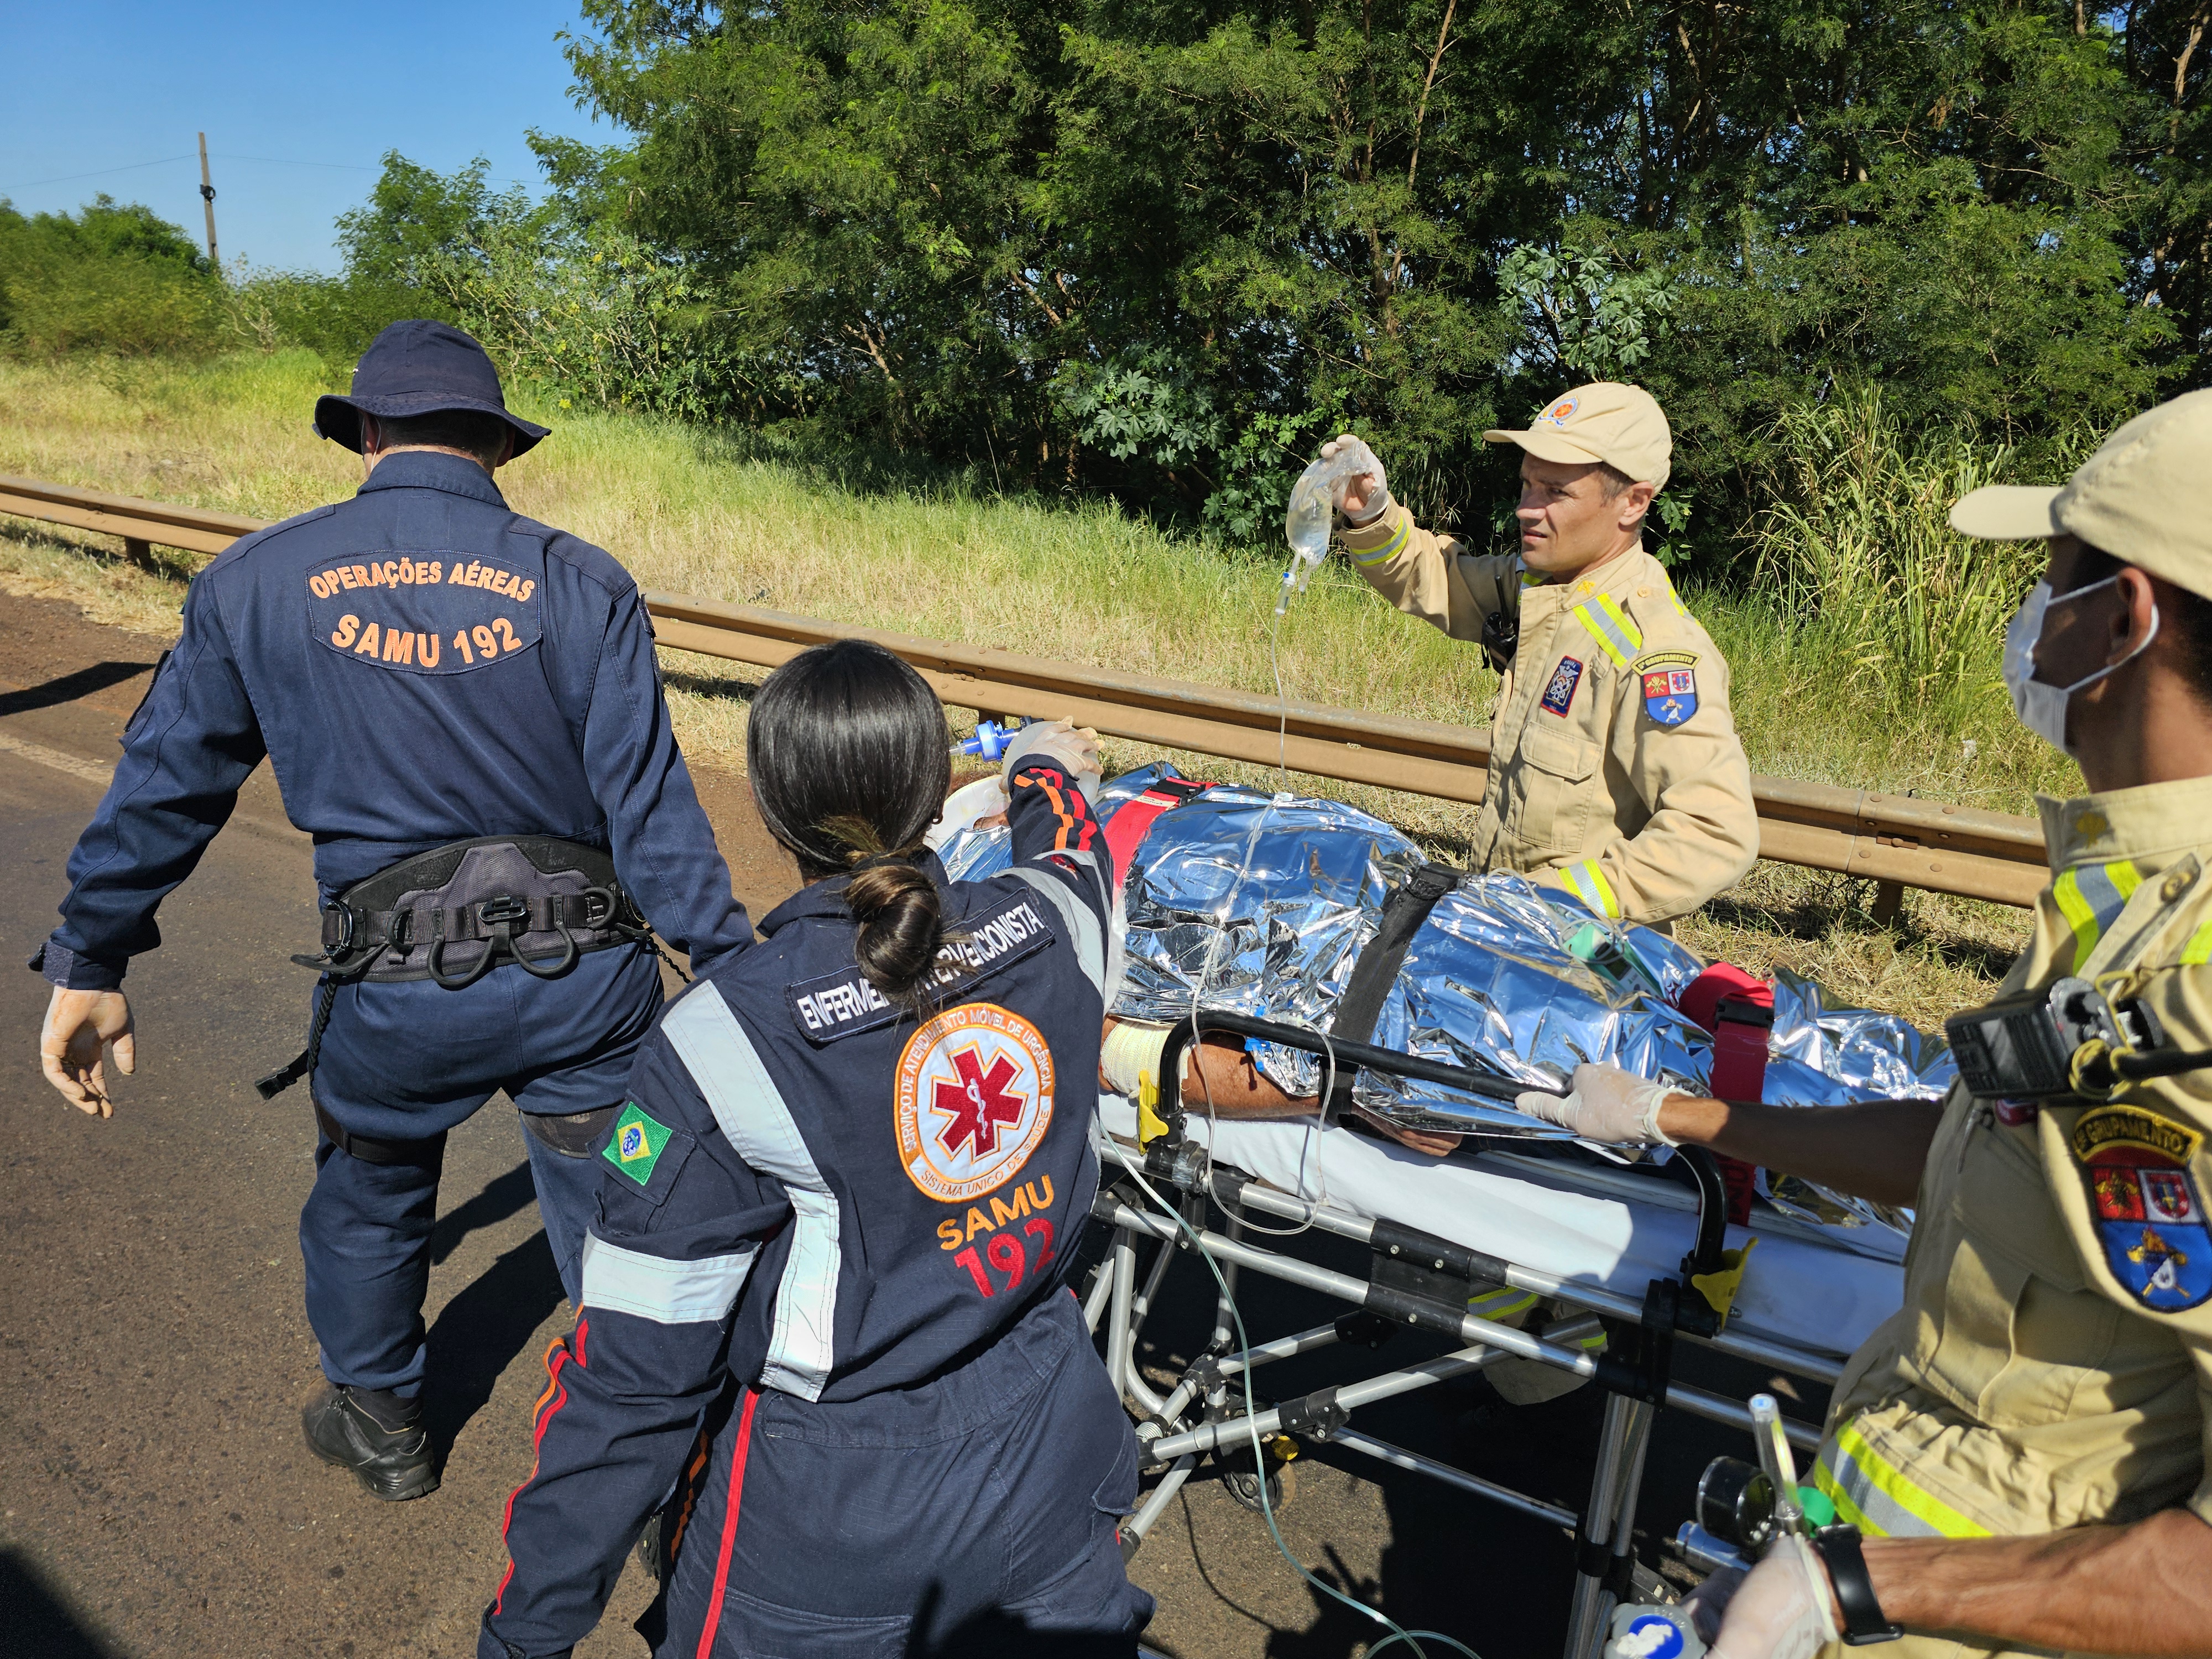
(826,1285)
(422,666)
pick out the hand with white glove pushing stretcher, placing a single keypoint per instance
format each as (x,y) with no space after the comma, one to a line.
(1074,748)
(1363,497)
(1782,1608)
(1608,1105)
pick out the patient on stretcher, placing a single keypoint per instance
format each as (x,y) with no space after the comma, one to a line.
(1238,899)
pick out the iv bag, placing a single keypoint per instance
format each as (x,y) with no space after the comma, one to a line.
(1313,506)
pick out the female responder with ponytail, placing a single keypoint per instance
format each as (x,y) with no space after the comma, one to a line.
(824,1286)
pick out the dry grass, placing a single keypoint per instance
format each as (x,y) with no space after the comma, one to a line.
(692,512)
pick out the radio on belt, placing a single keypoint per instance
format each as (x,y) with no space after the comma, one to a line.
(2069,1038)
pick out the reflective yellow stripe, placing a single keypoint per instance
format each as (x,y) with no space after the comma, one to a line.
(1591,886)
(1609,625)
(2091,896)
(1510,1301)
(1874,1496)
(1389,549)
(2198,950)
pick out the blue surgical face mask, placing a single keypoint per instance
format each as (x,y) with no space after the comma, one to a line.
(2041,708)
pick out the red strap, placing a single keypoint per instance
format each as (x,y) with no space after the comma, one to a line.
(1127,827)
(1739,1059)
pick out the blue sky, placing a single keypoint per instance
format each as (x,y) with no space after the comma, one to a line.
(95,85)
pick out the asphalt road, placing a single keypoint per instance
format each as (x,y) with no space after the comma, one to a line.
(154,1352)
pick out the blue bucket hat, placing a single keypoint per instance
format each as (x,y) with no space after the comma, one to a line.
(415,367)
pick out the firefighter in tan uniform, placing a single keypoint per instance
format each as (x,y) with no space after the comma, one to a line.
(2022,1448)
(1615,767)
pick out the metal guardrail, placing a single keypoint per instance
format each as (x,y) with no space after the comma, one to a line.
(1894,839)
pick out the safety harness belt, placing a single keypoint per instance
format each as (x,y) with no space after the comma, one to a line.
(453,914)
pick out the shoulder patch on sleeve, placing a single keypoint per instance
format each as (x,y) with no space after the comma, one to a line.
(2149,1210)
(1669,685)
(646,1150)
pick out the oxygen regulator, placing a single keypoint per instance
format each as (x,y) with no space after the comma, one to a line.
(1742,1509)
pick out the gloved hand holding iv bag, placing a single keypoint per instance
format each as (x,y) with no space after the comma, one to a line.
(1346,470)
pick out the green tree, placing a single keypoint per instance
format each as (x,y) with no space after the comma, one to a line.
(1160,250)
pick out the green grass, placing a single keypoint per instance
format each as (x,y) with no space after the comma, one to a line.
(711,514)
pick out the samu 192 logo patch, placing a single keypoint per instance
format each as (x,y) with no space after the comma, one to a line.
(637,1143)
(1559,694)
(1670,685)
(2149,1211)
(426,614)
(972,1099)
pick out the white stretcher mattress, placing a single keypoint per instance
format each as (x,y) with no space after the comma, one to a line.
(1796,1289)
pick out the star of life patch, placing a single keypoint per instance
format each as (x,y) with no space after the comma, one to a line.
(637,1143)
(2149,1212)
(971,1100)
(1670,685)
(1559,694)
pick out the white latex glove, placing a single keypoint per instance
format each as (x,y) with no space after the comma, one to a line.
(1361,498)
(1783,1610)
(1708,1604)
(1608,1105)
(77,1023)
(1075,747)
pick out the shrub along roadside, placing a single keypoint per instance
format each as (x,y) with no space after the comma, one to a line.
(109,277)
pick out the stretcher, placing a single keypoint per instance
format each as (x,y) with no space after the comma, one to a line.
(1643,1263)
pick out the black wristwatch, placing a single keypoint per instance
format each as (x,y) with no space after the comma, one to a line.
(1864,1621)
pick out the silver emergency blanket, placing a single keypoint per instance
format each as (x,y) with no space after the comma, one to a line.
(1260,904)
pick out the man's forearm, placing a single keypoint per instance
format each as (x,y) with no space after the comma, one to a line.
(2144,1589)
(1875,1151)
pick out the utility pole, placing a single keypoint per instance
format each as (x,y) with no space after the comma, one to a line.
(207,196)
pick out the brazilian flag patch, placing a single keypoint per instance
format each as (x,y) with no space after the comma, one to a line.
(637,1143)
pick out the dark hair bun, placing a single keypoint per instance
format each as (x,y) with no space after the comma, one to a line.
(901,928)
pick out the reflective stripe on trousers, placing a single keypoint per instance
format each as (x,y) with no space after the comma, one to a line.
(1875,1495)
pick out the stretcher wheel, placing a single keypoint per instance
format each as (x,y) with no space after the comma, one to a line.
(1239,1481)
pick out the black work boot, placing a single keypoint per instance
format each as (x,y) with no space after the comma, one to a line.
(377,1435)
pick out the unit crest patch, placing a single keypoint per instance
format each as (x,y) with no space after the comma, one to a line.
(973,1100)
(2149,1208)
(1559,694)
(1670,685)
(637,1143)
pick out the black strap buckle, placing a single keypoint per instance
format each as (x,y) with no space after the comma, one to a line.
(502,907)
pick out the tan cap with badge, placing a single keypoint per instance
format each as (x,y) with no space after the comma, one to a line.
(2145,497)
(1605,421)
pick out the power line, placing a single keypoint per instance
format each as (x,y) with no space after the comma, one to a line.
(132,167)
(99,172)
